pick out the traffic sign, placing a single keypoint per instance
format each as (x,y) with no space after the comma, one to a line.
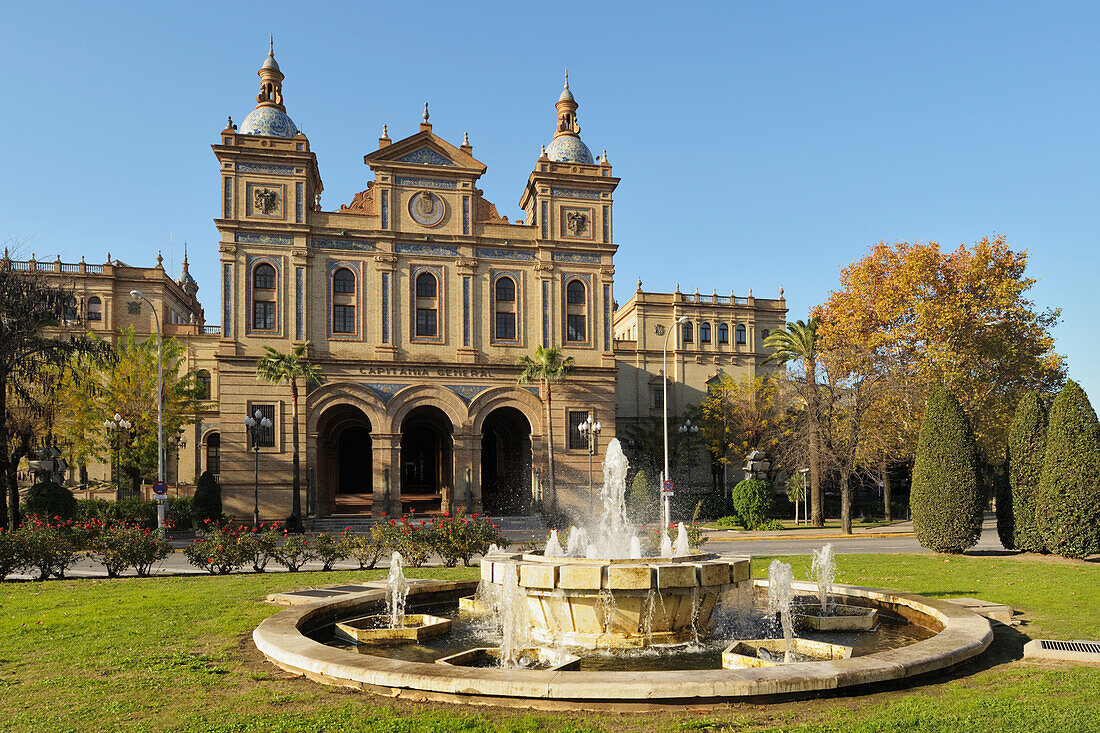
(666,488)
(160,488)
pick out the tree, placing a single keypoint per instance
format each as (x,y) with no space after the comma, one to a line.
(1027,438)
(31,363)
(798,342)
(1068,501)
(122,379)
(547,366)
(960,319)
(642,497)
(277,368)
(741,416)
(946,499)
(207,502)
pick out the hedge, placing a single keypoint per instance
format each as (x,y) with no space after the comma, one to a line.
(1068,500)
(946,500)
(1027,439)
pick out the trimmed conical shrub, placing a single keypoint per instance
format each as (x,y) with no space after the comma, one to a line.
(1027,439)
(207,502)
(1068,501)
(945,499)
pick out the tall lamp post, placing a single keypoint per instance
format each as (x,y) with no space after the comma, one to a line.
(590,429)
(162,500)
(664,389)
(115,428)
(257,428)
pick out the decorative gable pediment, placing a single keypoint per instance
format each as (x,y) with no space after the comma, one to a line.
(426,156)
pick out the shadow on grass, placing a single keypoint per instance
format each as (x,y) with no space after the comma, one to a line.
(990,553)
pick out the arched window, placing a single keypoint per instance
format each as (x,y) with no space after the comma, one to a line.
(427,306)
(425,285)
(576,316)
(95,308)
(213,454)
(504,326)
(343,281)
(263,277)
(687,330)
(263,297)
(202,384)
(764,335)
(343,301)
(704,333)
(506,289)
(740,333)
(723,333)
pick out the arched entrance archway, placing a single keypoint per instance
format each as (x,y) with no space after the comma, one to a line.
(345,461)
(506,462)
(427,460)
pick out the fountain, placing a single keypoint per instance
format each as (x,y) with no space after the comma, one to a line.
(828,615)
(606,613)
(395,626)
(602,592)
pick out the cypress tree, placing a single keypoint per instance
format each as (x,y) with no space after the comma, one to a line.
(1027,439)
(946,498)
(207,502)
(1068,500)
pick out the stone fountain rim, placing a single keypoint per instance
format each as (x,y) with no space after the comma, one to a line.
(562,560)
(963,635)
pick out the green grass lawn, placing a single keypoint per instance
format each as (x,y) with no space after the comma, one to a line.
(176,654)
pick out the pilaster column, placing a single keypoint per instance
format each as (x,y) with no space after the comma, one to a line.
(467,455)
(386,449)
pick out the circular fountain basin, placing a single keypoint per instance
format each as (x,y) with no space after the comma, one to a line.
(617,603)
(537,658)
(960,635)
(771,652)
(841,618)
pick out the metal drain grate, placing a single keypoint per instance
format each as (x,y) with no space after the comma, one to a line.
(1081,647)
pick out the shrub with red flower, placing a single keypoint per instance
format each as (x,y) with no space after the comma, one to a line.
(459,538)
(218,551)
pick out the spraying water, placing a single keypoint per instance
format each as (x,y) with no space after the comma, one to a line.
(397,590)
(577,542)
(635,548)
(681,547)
(553,546)
(513,616)
(779,599)
(824,570)
(666,544)
(613,531)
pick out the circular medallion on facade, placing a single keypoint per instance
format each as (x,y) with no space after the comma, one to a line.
(427,209)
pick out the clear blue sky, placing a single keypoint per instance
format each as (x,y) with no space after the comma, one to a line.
(759,144)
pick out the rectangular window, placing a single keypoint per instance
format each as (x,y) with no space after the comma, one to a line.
(425,322)
(343,319)
(267,438)
(688,332)
(575,328)
(506,326)
(576,439)
(263,315)
(658,397)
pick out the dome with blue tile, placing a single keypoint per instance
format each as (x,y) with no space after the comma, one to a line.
(569,149)
(270,121)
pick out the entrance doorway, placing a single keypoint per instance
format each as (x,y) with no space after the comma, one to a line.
(427,462)
(345,461)
(506,463)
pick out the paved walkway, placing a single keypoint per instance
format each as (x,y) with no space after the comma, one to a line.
(895,538)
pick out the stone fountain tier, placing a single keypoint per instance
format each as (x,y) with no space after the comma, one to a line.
(746,653)
(376,629)
(617,603)
(839,618)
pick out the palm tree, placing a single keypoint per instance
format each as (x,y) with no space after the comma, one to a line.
(798,340)
(277,368)
(546,367)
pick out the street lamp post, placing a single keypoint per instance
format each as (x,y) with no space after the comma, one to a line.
(115,427)
(162,499)
(590,429)
(664,389)
(257,426)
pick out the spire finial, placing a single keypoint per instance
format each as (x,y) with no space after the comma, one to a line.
(466,138)
(160,259)
(185,254)
(567,78)
(385,132)
(425,112)
(639,284)
(271,44)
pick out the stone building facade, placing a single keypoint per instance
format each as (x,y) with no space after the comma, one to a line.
(417,299)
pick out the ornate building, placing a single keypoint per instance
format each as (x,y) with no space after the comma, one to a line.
(417,299)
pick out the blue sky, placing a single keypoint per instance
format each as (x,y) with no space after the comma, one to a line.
(759,144)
